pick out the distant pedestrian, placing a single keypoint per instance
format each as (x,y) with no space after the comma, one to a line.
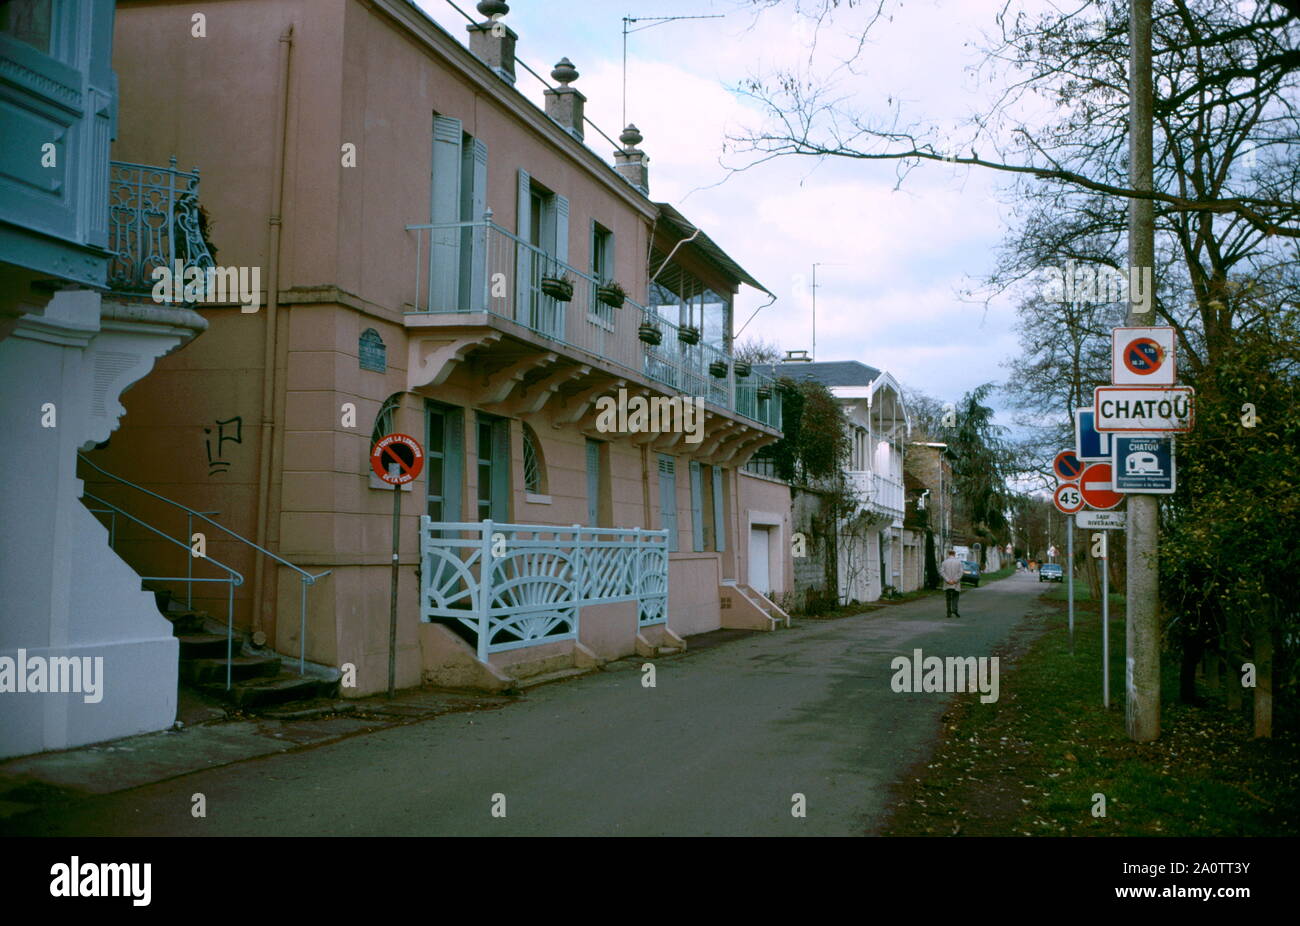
(950,571)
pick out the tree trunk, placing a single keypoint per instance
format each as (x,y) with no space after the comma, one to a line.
(1213,662)
(1263,655)
(1192,651)
(1232,655)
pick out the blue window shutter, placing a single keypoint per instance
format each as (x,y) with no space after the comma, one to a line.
(444,243)
(523,257)
(719,519)
(474,240)
(562,229)
(668,498)
(453,432)
(697,493)
(501,483)
(593,483)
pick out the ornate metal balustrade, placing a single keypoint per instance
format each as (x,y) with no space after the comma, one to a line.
(482,267)
(515,585)
(153,221)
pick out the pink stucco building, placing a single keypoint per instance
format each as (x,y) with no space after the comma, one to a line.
(434,247)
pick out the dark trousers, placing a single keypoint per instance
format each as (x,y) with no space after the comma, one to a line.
(950,599)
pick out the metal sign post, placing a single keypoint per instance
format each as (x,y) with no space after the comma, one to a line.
(396,459)
(1069,573)
(1105,620)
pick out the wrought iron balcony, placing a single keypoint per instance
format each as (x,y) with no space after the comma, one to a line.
(153,221)
(480,267)
(515,585)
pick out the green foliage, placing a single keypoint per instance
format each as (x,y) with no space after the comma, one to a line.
(979,466)
(815,439)
(1230,549)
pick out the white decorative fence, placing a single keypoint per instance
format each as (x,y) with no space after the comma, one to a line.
(538,578)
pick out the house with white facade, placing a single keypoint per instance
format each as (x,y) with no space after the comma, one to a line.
(872,548)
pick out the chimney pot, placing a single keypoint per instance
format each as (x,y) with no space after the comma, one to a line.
(565,104)
(632,164)
(493,42)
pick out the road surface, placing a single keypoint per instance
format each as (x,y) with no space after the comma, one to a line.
(720,746)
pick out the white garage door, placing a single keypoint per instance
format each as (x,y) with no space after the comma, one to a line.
(759,578)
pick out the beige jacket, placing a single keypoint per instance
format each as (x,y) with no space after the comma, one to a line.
(950,570)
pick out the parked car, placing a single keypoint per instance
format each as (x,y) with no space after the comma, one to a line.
(1051,572)
(970,573)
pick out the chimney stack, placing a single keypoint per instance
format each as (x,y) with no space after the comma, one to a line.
(492,41)
(563,103)
(631,162)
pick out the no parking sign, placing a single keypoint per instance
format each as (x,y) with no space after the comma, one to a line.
(1142,357)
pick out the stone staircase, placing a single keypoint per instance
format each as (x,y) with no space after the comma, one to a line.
(764,604)
(258,680)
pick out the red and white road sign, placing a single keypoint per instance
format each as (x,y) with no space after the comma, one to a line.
(1144,409)
(1068,499)
(1095,486)
(399,449)
(1142,357)
(1067,466)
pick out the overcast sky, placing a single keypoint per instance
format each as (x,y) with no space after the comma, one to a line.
(893,260)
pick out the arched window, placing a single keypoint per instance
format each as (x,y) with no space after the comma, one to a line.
(385,421)
(534,463)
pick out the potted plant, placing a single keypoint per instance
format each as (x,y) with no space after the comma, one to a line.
(611,294)
(689,335)
(718,369)
(743,368)
(650,333)
(559,288)
(765,392)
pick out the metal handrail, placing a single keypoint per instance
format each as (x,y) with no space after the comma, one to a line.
(306,578)
(234,578)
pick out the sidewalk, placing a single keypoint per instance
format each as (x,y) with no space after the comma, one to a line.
(208,737)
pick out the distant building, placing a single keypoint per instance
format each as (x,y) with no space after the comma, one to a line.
(873,550)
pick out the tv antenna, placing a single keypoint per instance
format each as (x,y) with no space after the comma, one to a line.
(651,22)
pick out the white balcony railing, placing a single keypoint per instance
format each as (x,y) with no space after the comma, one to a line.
(515,585)
(879,493)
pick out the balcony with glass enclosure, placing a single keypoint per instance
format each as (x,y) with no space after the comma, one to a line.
(479,275)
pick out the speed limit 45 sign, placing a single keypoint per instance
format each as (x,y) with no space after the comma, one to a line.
(1068,499)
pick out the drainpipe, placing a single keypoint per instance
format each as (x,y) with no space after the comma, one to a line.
(272,321)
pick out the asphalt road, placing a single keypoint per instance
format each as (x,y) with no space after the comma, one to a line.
(719,746)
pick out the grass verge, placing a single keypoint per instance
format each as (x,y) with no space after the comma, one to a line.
(1033,762)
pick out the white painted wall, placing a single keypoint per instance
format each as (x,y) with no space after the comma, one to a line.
(63,592)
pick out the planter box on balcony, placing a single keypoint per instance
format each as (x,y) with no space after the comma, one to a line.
(742,368)
(688,335)
(560,290)
(650,334)
(764,392)
(612,296)
(718,369)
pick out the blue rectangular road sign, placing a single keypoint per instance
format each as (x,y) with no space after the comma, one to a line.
(1090,445)
(1143,463)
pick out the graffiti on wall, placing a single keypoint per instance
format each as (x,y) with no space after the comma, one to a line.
(229,429)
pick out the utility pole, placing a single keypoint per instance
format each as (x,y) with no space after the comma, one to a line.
(1142,634)
(814,312)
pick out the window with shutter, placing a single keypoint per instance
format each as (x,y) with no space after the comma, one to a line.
(668,498)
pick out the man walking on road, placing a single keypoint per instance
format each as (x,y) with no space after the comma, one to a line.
(950,571)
